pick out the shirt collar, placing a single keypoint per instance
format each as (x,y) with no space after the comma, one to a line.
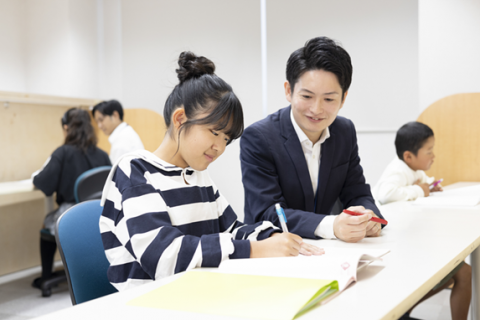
(303,137)
(116,132)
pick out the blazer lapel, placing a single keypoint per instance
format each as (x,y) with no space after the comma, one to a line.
(294,149)
(328,150)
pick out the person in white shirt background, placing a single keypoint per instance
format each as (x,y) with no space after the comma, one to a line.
(405,178)
(123,139)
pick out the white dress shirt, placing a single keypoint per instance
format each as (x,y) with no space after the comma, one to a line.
(123,140)
(312,153)
(397,183)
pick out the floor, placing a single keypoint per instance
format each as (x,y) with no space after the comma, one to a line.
(20,301)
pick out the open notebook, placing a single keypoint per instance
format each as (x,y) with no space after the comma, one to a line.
(464,197)
(269,288)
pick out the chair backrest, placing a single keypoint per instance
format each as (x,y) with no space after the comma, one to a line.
(81,248)
(89,185)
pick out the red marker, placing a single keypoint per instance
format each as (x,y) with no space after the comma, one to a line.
(374,219)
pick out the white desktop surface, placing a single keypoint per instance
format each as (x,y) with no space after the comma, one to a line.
(425,245)
(12,192)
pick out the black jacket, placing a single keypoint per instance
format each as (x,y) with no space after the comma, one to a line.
(66,164)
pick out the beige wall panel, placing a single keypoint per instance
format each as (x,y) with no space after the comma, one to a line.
(149,125)
(455,123)
(30,131)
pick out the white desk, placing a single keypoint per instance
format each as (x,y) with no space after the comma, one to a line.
(13,192)
(421,255)
(18,191)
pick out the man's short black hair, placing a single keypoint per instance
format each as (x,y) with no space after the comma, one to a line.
(411,137)
(321,53)
(108,107)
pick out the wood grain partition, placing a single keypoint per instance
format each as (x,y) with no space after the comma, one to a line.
(455,121)
(149,125)
(30,131)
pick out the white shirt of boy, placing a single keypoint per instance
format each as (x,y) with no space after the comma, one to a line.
(123,140)
(397,183)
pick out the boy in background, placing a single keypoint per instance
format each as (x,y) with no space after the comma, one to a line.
(405,179)
(123,139)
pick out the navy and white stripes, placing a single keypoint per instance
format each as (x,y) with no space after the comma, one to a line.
(159,219)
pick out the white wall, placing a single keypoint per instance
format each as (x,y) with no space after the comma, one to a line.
(110,49)
(12,51)
(227,32)
(382,40)
(406,55)
(449,48)
(61,48)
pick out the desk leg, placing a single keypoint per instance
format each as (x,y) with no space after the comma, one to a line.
(475,304)
(49,204)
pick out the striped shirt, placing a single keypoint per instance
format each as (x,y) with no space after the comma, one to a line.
(159,219)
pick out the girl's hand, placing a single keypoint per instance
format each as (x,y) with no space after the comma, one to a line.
(309,249)
(278,245)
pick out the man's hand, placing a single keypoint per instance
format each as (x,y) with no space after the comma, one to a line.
(352,228)
(374,229)
(425,187)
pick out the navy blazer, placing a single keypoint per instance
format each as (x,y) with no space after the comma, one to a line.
(274,170)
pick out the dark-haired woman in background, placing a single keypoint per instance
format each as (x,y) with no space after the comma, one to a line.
(78,154)
(162,212)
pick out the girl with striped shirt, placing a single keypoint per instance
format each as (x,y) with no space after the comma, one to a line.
(162,212)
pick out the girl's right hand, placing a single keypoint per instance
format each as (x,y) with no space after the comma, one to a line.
(278,245)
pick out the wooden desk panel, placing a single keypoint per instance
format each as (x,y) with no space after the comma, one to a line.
(20,226)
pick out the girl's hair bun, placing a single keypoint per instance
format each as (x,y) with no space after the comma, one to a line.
(192,66)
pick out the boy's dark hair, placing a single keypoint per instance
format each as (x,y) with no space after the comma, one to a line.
(320,53)
(80,131)
(108,107)
(201,90)
(411,137)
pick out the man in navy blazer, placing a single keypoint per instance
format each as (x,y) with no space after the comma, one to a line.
(305,157)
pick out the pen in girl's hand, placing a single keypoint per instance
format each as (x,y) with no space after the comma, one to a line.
(282,217)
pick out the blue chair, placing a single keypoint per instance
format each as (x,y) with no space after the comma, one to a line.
(81,248)
(89,185)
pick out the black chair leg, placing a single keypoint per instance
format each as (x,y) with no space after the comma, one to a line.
(49,279)
(47,254)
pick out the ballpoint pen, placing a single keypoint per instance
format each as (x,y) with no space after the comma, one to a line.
(435,184)
(282,217)
(374,219)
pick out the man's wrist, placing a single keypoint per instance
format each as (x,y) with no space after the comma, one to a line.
(325,228)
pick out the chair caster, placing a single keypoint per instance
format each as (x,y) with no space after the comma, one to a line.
(47,292)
